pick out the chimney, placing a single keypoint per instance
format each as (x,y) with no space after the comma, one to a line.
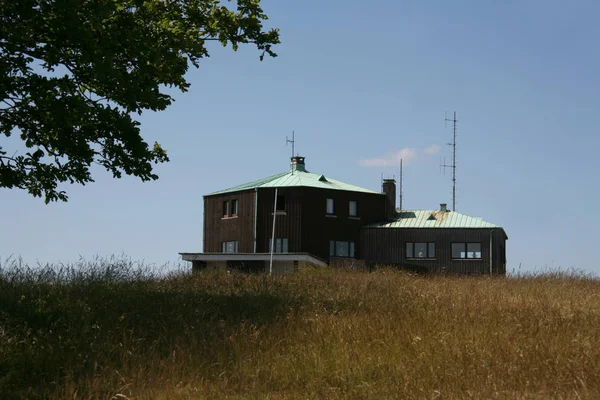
(443,207)
(389,188)
(298,164)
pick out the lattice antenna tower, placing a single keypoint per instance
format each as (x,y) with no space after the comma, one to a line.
(453,165)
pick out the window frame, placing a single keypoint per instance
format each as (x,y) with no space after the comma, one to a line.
(280,243)
(413,248)
(333,249)
(225,208)
(355,208)
(280,203)
(234,207)
(225,244)
(332,206)
(465,247)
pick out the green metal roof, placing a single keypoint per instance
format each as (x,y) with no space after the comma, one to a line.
(295,177)
(433,219)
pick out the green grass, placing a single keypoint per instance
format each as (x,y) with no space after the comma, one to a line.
(113,330)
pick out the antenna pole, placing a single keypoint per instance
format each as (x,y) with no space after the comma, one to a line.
(292,141)
(400,184)
(453,166)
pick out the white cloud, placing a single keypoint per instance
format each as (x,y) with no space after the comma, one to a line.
(433,149)
(391,159)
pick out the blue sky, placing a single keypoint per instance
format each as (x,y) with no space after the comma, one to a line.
(361,82)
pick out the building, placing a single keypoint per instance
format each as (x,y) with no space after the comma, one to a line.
(437,241)
(317,219)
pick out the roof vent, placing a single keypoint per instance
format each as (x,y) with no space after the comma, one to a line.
(322,178)
(432,218)
(443,207)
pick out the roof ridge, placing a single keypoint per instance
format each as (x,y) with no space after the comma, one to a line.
(250,185)
(295,178)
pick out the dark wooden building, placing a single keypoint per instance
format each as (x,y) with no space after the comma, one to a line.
(312,212)
(324,219)
(437,241)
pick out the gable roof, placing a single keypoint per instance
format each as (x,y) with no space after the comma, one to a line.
(433,219)
(295,178)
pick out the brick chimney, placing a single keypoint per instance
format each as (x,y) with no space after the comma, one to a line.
(389,188)
(298,164)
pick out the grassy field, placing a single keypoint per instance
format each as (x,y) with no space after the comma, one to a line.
(107,331)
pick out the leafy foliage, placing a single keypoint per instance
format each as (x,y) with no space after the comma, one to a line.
(73,72)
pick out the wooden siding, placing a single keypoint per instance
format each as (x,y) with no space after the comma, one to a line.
(306,224)
(218,229)
(288,224)
(388,246)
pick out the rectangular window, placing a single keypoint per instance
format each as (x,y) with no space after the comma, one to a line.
(420,250)
(234,207)
(353,211)
(280,203)
(409,250)
(466,250)
(281,245)
(473,250)
(330,207)
(459,250)
(340,248)
(229,246)
(225,209)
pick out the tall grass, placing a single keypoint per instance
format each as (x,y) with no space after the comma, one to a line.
(111,329)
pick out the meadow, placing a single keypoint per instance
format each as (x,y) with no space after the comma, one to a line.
(112,329)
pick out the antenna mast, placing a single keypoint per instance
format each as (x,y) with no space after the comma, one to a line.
(453,166)
(400,184)
(292,141)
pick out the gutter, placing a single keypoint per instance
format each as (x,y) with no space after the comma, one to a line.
(491,262)
(255,215)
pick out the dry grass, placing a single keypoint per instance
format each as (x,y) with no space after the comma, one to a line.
(109,333)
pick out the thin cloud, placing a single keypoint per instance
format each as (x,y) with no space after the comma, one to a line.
(391,159)
(433,149)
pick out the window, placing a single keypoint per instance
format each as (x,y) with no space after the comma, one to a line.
(281,245)
(234,207)
(473,250)
(229,247)
(330,207)
(420,250)
(339,248)
(466,250)
(225,209)
(353,208)
(342,249)
(280,203)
